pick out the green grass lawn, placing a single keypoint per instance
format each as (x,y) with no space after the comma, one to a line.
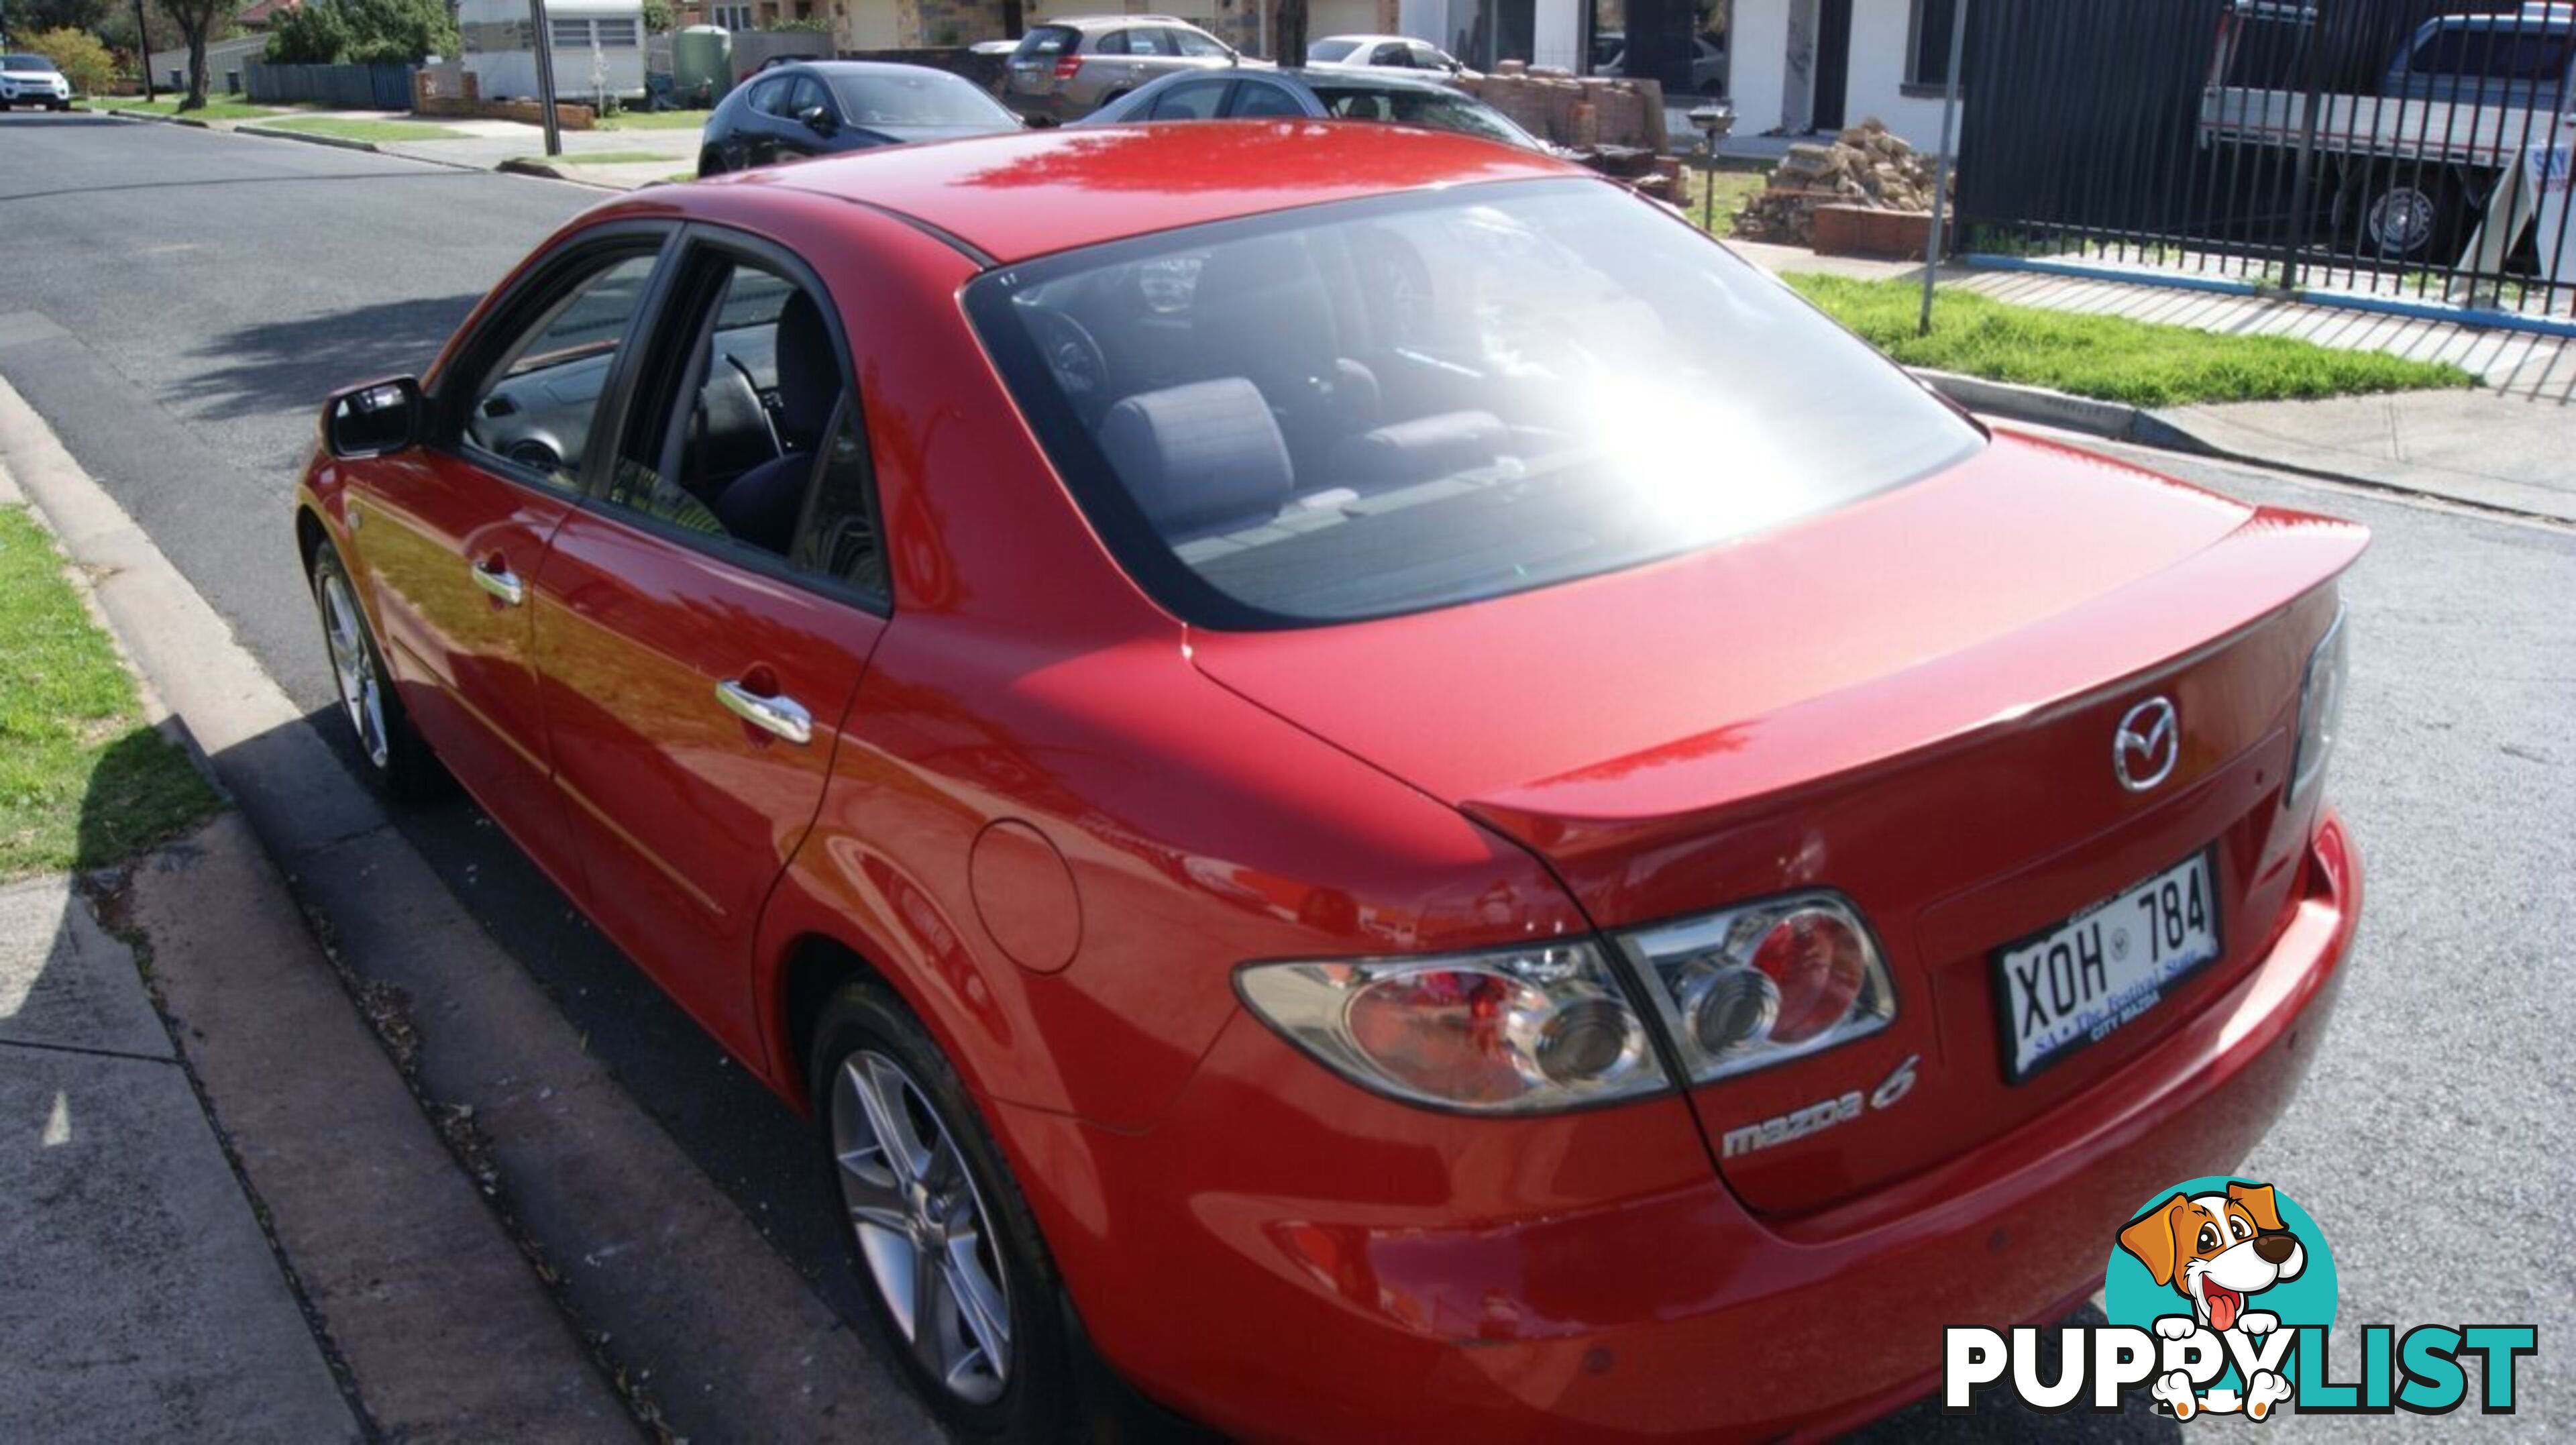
(1735,182)
(371,130)
(83,781)
(654,120)
(215,108)
(2109,357)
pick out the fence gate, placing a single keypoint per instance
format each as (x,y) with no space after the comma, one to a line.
(2416,149)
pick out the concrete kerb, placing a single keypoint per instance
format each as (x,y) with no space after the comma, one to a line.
(339,142)
(735,1342)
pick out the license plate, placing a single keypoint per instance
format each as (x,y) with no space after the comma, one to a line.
(2078,982)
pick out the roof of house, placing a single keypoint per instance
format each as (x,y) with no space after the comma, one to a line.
(258,14)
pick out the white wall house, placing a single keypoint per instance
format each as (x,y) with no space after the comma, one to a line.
(1802,65)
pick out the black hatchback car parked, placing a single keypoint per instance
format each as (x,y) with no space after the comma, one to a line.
(824,107)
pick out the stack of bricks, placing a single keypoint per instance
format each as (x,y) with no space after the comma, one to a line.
(1577,111)
(459,94)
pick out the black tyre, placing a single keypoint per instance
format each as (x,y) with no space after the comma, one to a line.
(959,1285)
(396,758)
(2411,213)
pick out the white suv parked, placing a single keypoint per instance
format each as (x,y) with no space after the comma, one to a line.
(32,80)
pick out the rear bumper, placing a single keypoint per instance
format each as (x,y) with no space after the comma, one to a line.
(1381,1292)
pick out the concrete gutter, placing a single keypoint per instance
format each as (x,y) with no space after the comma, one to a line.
(252,127)
(2039,406)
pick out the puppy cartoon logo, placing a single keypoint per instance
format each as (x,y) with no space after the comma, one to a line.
(2217,1252)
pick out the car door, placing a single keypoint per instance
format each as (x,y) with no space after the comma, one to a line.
(1190,99)
(764,120)
(1258,97)
(696,658)
(797,135)
(451,533)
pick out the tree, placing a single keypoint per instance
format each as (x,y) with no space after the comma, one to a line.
(659,17)
(329,32)
(1288,33)
(78,55)
(199,22)
(34,17)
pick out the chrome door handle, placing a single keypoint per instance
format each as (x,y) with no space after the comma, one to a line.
(783,716)
(501,583)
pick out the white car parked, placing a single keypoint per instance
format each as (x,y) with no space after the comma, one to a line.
(1382,52)
(32,80)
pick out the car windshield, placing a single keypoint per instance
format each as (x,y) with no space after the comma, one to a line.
(1331,52)
(929,98)
(1388,405)
(1430,109)
(26,62)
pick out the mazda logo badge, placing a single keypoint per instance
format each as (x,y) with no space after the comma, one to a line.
(2148,744)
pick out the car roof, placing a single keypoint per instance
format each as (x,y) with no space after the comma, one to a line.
(1106,22)
(870,67)
(1011,197)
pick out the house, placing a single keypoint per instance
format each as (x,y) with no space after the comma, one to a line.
(223,57)
(1798,66)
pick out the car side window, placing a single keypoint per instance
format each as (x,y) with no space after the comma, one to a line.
(769,97)
(1190,100)
(1391,53)
(808,94)
(1255,99)
(1426,58)
(1113,43)
(744,424)
(1194,45)
(536,403)
(1152,40)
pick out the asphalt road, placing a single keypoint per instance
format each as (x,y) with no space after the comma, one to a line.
(176,303)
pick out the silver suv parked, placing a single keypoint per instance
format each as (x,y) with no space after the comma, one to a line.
(1065,69)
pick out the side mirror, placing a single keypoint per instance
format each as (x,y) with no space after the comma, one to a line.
(818,120)
(371,420)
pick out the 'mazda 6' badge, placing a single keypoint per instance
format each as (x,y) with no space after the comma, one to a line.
(2221,1301)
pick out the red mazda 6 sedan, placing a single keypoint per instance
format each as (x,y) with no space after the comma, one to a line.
(1358,776)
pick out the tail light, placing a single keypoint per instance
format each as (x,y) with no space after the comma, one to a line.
(1067,66)
(2320,712)
(1513,1031)
(1761,984)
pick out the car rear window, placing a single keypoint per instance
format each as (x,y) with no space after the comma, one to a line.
(1331,52)
(1046,42)
(1383,406)
(2495,51)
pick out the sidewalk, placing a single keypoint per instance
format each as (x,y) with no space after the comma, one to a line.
(2503,446)
(143,1300)
(229,1216)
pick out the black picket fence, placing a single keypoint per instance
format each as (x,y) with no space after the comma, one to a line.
(348,87)
(2396,147)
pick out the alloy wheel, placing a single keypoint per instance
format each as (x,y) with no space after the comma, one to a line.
(2401,221)
(353,666)
(922,1227)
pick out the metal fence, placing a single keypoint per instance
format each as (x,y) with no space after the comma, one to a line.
(2412,150)
(349,87)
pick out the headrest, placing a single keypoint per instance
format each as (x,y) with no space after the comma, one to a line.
(1192,455)
(809,374)
(1418,450)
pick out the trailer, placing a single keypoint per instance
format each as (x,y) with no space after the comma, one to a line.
(598,48)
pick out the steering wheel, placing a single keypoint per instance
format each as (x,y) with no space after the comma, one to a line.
(1076,361)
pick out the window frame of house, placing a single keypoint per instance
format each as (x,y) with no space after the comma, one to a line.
(1911,82)
(739,11)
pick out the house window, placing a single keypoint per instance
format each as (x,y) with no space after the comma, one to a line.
(1927,46)
(571,34)
(733,17)
(616,34)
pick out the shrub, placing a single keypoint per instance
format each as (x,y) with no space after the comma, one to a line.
(78,55)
